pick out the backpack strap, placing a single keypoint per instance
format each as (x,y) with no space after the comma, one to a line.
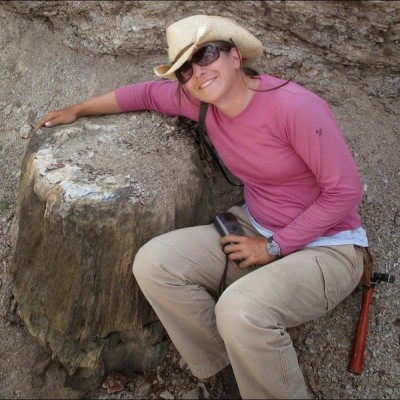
(202,117)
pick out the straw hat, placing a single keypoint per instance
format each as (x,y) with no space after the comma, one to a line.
(184,36)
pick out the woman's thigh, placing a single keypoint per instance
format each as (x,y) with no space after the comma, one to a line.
(302,286)
(187,256)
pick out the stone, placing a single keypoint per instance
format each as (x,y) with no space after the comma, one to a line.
(91,193)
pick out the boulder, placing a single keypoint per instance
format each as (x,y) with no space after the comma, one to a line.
(90,194)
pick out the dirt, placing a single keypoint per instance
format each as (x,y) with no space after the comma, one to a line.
(40,74)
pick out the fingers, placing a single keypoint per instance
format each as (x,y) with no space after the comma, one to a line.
(57,117)
(49,120)
(249,251)
(228,239)
(231,245)
(41,123)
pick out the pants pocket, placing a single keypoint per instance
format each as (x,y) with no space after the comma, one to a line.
(342,270)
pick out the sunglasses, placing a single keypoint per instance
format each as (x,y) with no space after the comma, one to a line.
(204,56)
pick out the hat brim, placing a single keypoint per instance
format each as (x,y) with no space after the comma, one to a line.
(168,71)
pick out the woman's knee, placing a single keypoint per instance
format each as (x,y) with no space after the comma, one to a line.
(241,318)
(147,261)
(227,312)
(236,312)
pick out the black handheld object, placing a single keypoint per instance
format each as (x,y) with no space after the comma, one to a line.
(226,223)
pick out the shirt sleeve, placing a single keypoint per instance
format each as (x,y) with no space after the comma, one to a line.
(314,134)
(164,96)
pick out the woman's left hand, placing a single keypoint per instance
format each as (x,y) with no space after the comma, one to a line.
(246,251)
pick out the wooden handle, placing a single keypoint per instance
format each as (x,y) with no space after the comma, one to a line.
(360,338)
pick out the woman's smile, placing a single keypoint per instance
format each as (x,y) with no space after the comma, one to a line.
(207,83)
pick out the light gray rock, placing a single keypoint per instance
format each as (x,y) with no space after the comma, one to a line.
(311,39)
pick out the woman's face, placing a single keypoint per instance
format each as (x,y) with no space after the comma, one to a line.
(214,82)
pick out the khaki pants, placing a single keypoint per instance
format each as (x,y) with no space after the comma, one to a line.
(179,273)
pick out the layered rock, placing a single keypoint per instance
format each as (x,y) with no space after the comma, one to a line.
(90,195)
(302,39)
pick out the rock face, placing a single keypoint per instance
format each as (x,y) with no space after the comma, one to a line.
(89,197)
(93,192)
(312,39)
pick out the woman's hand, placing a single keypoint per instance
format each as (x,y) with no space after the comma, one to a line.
(247,251)
(100,105)
(58,117)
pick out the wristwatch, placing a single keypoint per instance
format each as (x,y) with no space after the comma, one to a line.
(273,248)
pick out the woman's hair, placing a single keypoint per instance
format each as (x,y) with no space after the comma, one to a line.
(250,72)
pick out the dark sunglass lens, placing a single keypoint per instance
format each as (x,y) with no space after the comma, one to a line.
(185,66)
(185,72)
(206,55)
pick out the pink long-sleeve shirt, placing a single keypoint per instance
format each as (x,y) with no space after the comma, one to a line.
(300,180)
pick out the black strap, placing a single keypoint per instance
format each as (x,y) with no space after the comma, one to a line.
(202,117)
(222,283)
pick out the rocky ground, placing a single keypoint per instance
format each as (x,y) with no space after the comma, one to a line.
(39,74)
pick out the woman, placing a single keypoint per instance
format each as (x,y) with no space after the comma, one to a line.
(302,253)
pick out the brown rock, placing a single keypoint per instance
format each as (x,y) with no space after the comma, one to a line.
(77,230)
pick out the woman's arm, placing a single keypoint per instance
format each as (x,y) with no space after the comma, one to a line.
(99,105)
(161,96)
(314,134)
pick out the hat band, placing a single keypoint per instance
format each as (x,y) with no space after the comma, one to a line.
(181,52)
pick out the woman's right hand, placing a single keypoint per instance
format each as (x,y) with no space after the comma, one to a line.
(57,117)
(100,105)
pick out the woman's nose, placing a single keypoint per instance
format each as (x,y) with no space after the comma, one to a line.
(198,69)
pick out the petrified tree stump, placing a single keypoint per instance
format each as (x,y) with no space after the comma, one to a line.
(91,193)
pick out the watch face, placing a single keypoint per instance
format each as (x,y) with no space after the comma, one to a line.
(273,248)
